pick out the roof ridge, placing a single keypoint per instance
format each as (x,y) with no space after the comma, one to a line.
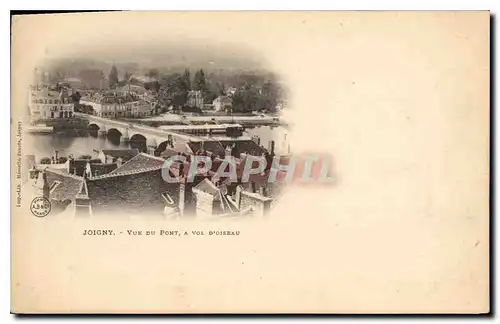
(118,174)
(141,154)
(65,174)
(151,156)
(116,150)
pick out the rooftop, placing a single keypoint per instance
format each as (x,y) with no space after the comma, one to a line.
(208,187)
(139,162)
(64,186)
(210,146)
(125,154)
(224,99)
(137,191)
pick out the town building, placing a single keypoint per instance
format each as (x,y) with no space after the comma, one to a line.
(74,83)
(118,156)
(115,105)
(137,187)
(222,103)
(46,103)
(195,99)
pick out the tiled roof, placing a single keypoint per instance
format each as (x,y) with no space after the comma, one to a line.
(169,152)
(125,173)
(249,147)
(140,161)
(207,186)
(210,146)
(102,168)
(139,191)
(124,154)
(69,184)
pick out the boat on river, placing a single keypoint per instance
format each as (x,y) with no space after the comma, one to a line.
(40,129)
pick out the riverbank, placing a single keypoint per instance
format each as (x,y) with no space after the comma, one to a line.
(174,119)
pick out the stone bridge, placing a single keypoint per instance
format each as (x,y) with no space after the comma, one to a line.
(155,138)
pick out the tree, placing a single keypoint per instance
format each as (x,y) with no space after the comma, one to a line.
(127,76)
(246,100)
(220,89)
(173,91)
(45,160)
(200,82)
(210,96)
(113,77)
(75,97)
(62,159)
(187,78)
(269,95)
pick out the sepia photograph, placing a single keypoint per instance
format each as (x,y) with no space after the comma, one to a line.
(250,162)
(102,126)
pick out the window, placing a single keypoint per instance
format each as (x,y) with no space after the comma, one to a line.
(51,114)
(168,199)
(70,114)
(61,114)
(54,185)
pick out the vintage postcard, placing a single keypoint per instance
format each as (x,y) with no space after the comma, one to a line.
(250,162)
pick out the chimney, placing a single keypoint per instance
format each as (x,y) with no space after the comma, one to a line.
(186,203)
(252,186)
(256,139)
(237,196)
(82,202)
(262,191)
(33,173)
(228,151)
(46,188)
(271,147)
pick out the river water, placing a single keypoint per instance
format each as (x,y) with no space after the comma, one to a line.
(45,145)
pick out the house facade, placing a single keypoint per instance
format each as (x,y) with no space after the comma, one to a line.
(118,106)
(47,104)
(222,103)
(195,99)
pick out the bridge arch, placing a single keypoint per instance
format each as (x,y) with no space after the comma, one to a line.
(163,146)
(138,137)
(114,136)
(114,132)
(139,142)
(94,126)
